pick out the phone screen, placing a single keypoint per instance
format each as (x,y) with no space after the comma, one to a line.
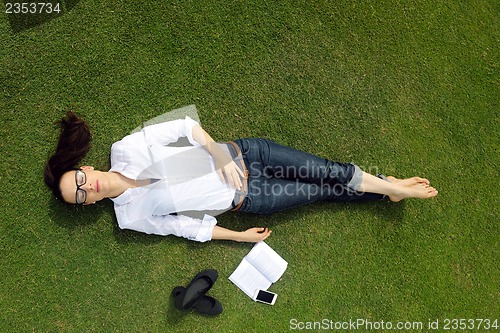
(264,296)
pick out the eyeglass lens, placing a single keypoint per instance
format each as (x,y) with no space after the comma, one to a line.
(81,179)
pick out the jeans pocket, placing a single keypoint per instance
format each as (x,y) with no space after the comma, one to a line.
(246,205)
(244,146)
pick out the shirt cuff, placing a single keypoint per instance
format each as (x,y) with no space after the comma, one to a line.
(189,123)
(207,226)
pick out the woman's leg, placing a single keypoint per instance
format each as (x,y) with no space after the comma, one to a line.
(342,181)
(269,195)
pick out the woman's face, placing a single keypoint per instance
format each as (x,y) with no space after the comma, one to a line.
(85,186)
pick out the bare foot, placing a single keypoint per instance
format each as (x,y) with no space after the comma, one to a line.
(408,181)
(419,190)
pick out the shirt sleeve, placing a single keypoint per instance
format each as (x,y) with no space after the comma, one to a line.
(170,131)
(178,225)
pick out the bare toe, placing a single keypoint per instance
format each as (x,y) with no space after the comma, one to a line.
(422,180)
(432,191)
(424,191)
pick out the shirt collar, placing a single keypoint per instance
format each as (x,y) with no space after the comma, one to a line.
(123,198)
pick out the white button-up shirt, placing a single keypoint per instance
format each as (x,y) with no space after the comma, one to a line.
(183,179)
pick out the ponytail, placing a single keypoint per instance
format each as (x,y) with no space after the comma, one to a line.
(73,145)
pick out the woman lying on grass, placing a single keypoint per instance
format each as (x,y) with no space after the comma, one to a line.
(158,187)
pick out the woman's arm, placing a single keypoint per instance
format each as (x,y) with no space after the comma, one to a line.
(167,132)
(224,164)
(251,235)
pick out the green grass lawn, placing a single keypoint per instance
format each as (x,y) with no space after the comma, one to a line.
(399,87)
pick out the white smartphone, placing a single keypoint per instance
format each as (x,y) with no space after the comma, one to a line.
(265,296)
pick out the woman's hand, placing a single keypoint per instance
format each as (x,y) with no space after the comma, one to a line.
(224,165)
(254,235)
(233,174)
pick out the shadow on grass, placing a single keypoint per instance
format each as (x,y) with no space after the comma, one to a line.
(72,216)
(35,14)
(128,236)
(387,211)
(175,316)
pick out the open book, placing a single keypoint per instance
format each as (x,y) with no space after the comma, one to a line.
(260,268)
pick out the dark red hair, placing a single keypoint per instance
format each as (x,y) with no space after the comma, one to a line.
(73,145)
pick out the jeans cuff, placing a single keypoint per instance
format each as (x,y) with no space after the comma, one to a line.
(356,178)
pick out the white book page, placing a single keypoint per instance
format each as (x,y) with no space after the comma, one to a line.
(248,278)
(267,261)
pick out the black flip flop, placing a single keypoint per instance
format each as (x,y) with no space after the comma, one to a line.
(198,287)
(206,305)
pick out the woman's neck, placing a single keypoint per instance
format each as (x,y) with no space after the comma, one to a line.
(119,184)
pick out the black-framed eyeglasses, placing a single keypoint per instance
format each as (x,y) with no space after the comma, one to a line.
(81,194)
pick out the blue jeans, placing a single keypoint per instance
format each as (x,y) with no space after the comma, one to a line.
(281,177)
